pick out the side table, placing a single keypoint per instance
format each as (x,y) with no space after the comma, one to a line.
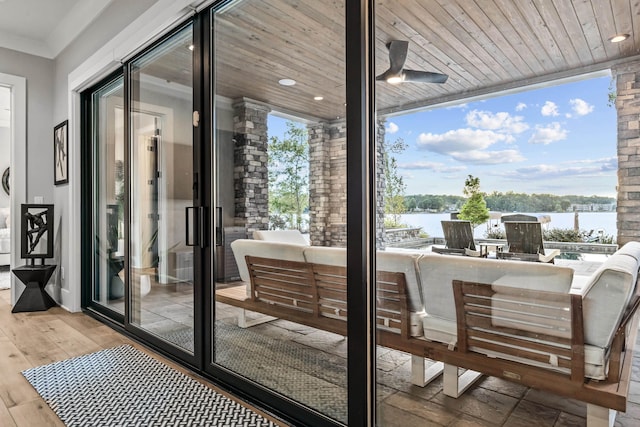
(34,297)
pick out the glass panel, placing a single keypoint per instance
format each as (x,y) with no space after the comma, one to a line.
(478,166)
(161,181)
(280,176)
(108,195)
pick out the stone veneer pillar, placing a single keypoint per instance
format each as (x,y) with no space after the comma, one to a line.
(328,184)
(250,174)
(628,106)
(319,188)
(381,183)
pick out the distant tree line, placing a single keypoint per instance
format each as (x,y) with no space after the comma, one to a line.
(503,202)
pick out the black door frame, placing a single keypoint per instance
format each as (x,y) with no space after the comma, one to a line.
(360,113)
(201,172)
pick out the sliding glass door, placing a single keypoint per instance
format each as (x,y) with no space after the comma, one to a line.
(108,195)
(280,163)
(146,217)
(161,273)
(195,158)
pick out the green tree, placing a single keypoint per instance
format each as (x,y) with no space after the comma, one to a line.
(289,176)
(394,184)
(475,208)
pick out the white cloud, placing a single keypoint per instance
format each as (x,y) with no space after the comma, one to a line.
(431,166)
(548,134)
(460,140)
(470,146)
(479,157)
(521,106)
(458,106)
(607,166)
(501,121)
(581,107)
(549,109)
(392,128)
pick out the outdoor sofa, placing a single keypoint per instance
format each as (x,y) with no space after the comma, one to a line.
(537,325)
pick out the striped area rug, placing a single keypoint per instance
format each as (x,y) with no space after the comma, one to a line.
(123,386)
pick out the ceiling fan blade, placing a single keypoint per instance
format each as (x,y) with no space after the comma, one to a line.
(397,56)
(424,76)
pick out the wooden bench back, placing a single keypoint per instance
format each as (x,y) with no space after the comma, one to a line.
(535,328)
(315,293)
(458,234)
(524,237)
(289,284)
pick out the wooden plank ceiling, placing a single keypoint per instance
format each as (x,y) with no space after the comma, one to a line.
(483,45)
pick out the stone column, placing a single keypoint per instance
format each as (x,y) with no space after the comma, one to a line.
(628,106)
(319,189)
(250,174)
(338,183)
(381,183)
(328,183)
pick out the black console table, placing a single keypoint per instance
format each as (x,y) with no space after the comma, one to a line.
(34,297)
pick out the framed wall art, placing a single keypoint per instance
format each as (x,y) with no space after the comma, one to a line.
(60,153)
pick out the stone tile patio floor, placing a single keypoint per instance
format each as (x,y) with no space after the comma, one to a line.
(490,402)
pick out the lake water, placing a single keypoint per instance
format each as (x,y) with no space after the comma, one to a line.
(605,221)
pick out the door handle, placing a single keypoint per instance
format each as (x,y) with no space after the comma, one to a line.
(197,232)
(219,235)
(189,231)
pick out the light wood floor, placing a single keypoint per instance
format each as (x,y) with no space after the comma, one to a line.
(32,339)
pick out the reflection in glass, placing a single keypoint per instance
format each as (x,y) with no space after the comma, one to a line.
(279,102)
(108,195)
(161,181)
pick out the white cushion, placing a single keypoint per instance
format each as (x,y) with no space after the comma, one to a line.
(326,255)
(283,236)
(605,297)
(407,263)
(437,273)
(631,249)
(259,248)
(395,262)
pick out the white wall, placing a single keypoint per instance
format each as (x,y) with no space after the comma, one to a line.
(50,101)
(112,21)
(38,73)
(123,29)
(5,157)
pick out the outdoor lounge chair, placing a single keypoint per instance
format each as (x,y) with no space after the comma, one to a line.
(524,242)
(458,236)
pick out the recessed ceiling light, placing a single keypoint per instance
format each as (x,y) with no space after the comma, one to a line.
(287,82)
(318,98)
(191,47)
(618,38)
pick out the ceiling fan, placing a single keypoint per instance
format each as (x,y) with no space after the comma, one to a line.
(397,74)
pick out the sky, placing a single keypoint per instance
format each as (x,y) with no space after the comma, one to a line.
(560,140)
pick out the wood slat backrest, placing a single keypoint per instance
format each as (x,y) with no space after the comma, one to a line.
(537,328)
(458,234)
(286,283)
(524,237)
(391,302)
(391,296)
(331,284)
(321,291)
